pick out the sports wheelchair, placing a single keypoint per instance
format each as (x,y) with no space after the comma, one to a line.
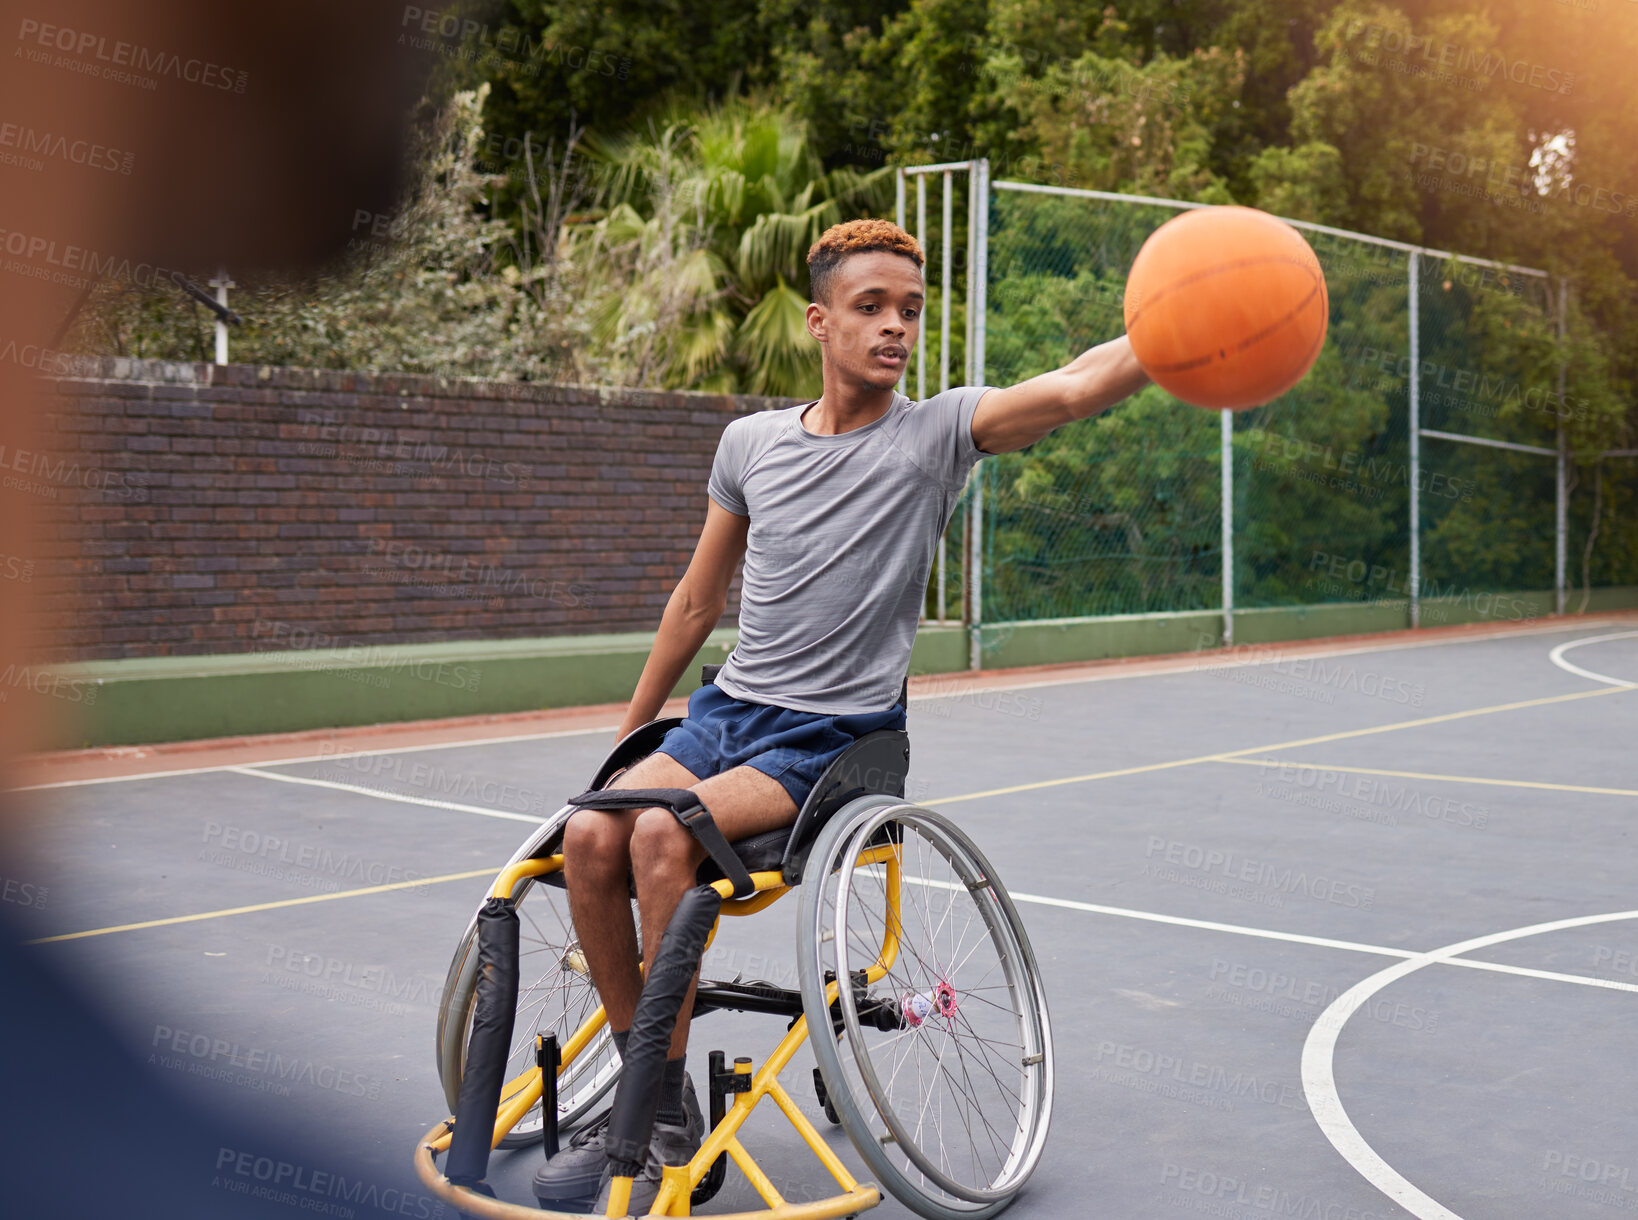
(935,1056)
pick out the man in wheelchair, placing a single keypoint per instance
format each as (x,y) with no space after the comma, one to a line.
(837,507)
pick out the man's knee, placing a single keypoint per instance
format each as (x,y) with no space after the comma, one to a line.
(660,845)
(592,841)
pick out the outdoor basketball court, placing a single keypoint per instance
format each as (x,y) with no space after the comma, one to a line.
(1387,886)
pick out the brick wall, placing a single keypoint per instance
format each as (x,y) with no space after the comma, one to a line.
(203,509)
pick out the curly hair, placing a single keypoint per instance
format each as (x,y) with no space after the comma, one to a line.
(840,242)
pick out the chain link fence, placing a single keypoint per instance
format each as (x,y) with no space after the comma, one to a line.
(1438,398)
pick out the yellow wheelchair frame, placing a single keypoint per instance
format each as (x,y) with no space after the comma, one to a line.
(853,832)
(521,1094)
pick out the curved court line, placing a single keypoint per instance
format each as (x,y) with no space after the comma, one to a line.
(1457,779)
(262,906)
(1557,657)
(1319,1083)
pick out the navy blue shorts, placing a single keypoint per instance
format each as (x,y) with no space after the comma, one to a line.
(721,732)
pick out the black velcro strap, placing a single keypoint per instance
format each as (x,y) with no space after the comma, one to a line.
(635,798)
(687,808)
(703,827)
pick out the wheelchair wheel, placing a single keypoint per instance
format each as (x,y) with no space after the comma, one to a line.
(942,1073)
(555,995)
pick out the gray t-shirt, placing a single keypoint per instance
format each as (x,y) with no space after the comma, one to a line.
(844,530)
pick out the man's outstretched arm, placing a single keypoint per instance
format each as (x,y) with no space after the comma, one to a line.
(1022,414)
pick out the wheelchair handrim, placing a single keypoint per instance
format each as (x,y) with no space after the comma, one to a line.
(1001,923)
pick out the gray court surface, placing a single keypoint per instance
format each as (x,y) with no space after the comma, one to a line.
(1349,938)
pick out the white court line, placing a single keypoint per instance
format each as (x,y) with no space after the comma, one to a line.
(1319,1050)
(388,796)
(1557,657)
(1552,976)
(1270,658)
(1276,654)
(304,758)
(1294,937)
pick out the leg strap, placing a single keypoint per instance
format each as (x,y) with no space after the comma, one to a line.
(686,806)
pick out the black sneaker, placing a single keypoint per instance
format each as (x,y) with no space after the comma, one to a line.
(667,1146)
(570,1180)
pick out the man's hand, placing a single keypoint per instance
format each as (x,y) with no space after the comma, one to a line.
(1094,381)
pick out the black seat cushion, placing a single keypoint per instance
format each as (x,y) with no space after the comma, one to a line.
(759,853)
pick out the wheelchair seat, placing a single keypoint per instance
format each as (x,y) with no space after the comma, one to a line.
(875,763)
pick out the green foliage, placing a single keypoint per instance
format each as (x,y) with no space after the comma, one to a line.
(708,232)
(708,144)
(438,287)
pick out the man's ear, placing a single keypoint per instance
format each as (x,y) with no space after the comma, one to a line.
(815,318)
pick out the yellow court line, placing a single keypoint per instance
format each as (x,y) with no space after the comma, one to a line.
(262,906)
(1228,756)
(1460,779)
(1448,716)
(1231,755)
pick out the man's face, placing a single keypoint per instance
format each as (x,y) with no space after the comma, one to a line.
(870,323)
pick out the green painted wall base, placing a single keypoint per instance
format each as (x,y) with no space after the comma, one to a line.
(153,700)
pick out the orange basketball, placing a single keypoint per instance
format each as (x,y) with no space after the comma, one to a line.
(1226,307)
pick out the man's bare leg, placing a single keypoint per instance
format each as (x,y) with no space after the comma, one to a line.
(596,863)
(665,857)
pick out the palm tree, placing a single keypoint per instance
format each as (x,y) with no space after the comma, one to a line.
(708,219)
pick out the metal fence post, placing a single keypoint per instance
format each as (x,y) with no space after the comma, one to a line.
(1227,448)
(977,274)
(1415,430)
(944,349)
(1562,522)
(898,219)
(921,331)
